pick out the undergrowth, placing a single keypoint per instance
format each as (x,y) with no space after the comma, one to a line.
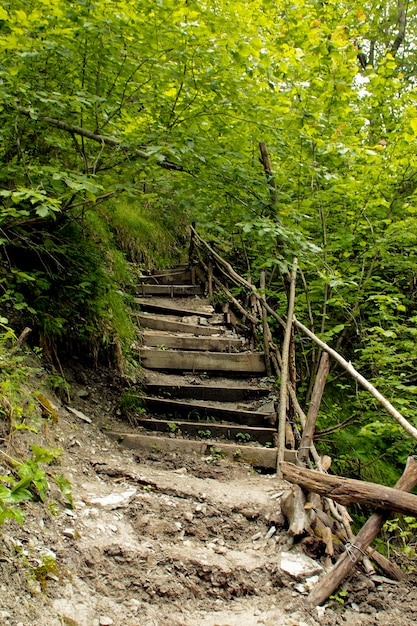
(24,476)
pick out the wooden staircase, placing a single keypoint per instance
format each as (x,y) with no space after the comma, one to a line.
(206,392)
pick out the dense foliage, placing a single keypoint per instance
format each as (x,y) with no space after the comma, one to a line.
(122,121)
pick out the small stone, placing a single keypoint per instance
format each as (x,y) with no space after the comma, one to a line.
(105,621)
(188,516)
(114,529)
(271,532)
(4,615)
(256,536)
(69,532)
(115,500)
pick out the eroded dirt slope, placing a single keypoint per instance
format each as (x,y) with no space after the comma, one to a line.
(158,540)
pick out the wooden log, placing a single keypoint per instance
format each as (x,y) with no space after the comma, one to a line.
(293,506)
(265,327)
(348,490)
(316,396)
(391,569)
(283,395)
(364,538)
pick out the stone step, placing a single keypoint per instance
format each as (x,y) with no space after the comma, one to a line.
(195,410)
(182,342)
(155,322)
(246,363)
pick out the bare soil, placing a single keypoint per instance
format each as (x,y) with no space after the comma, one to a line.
(161,539)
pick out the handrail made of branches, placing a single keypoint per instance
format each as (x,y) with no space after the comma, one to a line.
(347,365)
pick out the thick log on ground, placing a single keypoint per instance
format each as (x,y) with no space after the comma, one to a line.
(347,490)
(364,538)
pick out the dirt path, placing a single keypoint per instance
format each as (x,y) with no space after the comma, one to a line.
(157,540)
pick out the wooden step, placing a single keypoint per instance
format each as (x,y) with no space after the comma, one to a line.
(206,392)
(194,411)
(171,290)
(148,320)
(254,455)
(178,342)
(181,267)
(208,430)
(245,362)
(178,277)
(172,308)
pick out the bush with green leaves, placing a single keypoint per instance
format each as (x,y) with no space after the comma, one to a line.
(23,479)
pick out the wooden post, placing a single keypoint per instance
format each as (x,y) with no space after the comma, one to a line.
(265,326)
(284,373)
(364,538)
(308,431)
(192,245)
(210,278)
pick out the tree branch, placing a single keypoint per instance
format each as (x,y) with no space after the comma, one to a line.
(103,139)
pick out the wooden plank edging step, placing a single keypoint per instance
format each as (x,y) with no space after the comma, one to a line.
(147,320)
(181,342)
(256,456)
(171,290)
(242,434)
(245,362)
(206,392)
(194,411)
(149,304)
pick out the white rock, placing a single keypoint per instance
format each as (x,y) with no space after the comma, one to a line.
(105,621)
(115,500)
(270,532)
(311,582)
(299,565)
(69,532)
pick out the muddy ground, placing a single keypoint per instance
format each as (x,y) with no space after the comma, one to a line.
(160,539)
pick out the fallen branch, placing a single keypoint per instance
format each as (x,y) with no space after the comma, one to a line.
(349,491)
(364,538)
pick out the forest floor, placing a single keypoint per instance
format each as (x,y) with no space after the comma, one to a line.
(159,540)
